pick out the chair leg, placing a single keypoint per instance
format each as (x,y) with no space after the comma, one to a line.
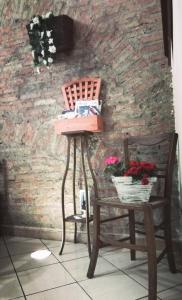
(132,233)
(151,250)
(96,242)
(168,241)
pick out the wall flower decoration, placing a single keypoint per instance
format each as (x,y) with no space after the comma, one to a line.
(40,31)
(49,35)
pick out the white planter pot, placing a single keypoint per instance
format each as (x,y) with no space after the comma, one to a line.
(122,179)
(132,191)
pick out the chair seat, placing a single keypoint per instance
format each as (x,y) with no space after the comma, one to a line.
(155,202)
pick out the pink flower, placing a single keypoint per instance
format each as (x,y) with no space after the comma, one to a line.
(112,160)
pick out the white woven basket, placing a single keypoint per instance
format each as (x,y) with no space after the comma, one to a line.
(132,191)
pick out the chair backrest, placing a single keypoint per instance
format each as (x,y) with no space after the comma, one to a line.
(82,89)
(159,149)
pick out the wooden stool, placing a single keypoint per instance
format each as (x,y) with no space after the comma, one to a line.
(81,136)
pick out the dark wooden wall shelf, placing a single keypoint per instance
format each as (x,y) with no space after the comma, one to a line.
(167,22)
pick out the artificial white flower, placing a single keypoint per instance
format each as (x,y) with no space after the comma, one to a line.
(50,41)
(35,20)
(50,60)
(42,43)
(48,14)
(52,49)
(31,25)
(48,32)
(44,40)
(39,59)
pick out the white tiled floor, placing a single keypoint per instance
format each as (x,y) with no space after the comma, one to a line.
(64,277)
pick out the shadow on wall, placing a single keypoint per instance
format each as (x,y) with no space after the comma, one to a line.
(88,63)
(4,196)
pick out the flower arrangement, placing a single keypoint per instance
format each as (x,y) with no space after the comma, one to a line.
(40,31)
(138,170)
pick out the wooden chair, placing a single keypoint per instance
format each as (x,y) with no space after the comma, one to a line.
(81,89)
(161,150)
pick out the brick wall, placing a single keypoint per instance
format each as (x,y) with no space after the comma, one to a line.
(119,41)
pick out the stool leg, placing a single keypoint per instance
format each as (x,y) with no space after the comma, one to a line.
(96,241)
(132,232)
(151,251)
(168,240)
(91,170)
(83,146)
(74,177)
(62,195)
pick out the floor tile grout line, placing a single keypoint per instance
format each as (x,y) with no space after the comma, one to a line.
(85,279)
(78,282)
(170,288)
(38,267)
(112,250)
(117,269)
(138,264)
(61,263)
(64,261)
(16,298)
(14,269)
(98,276)
(46,245)
(33,267)
(139,282)
(127,274)
(23,253)
(75,280)
(50,289)
(84,291)
(49,248)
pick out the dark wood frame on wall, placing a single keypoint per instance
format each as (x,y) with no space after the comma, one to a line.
(167,22)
